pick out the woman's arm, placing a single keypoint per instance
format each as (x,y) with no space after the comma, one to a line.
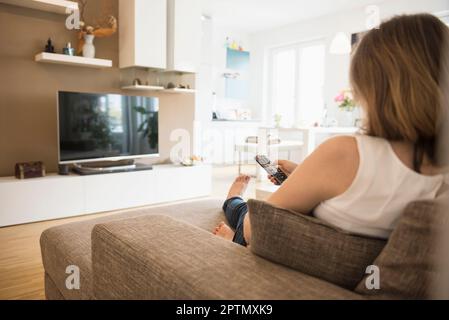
(325,174)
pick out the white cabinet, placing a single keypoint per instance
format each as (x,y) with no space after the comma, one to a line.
(183,183)
(160,34)
(184,35)
(119,191)
(55,197)
(143,33)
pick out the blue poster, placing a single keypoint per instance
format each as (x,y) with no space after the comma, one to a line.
(238,62)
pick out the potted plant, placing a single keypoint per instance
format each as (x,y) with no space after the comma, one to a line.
(148,126)
(277,120)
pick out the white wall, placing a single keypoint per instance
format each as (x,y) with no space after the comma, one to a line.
(210,78)
(216,140)
(337,66)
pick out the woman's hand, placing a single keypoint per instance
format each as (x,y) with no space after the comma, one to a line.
(286,166)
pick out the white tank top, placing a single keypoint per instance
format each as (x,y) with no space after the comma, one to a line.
(380,192)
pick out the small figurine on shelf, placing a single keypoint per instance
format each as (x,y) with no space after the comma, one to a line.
(68,50)
(49,48)
(228,43)
(192,161)
(185,87)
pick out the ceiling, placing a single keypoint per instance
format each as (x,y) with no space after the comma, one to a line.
(258,15)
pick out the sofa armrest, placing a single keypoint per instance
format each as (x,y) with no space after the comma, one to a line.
(156,257)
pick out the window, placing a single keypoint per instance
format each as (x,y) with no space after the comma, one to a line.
(284,84)
(444,16)
(446,19)
(297,81)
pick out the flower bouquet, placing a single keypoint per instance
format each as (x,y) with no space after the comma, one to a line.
(346,101)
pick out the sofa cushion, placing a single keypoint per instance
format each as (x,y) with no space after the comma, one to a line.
(51,291)
(310,246)
(70,244)
(161,258)
(408,266)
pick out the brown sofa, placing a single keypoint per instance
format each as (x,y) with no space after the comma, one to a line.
(168,252)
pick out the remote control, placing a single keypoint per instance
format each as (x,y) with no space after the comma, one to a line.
(271,169)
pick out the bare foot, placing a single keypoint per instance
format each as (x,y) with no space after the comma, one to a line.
(239,186)
(223,231)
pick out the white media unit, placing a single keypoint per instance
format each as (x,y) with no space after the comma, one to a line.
(56,197)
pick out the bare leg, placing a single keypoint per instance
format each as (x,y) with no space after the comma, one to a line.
(237,189)
(239,186)
(247,229)
(223,231)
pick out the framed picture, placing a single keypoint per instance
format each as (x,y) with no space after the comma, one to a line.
(237,83)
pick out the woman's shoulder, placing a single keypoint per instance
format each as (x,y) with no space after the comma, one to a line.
(341,146)
(352,149)
(340,153)
(355,143)
(335,164)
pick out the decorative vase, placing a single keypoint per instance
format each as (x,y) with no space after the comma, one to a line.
(347,118)
(89,48)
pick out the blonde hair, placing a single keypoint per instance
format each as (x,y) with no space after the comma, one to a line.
(395,74)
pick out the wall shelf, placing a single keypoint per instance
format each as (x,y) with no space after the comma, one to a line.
(55,58)
(179,91)
(143,88)
(55,6)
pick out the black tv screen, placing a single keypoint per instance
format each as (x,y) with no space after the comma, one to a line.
(96,127)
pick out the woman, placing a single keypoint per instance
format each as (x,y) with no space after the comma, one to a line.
(363,183)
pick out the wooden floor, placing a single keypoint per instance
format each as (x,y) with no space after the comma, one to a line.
(21,271)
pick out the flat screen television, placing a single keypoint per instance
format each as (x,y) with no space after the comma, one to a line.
(96,127)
